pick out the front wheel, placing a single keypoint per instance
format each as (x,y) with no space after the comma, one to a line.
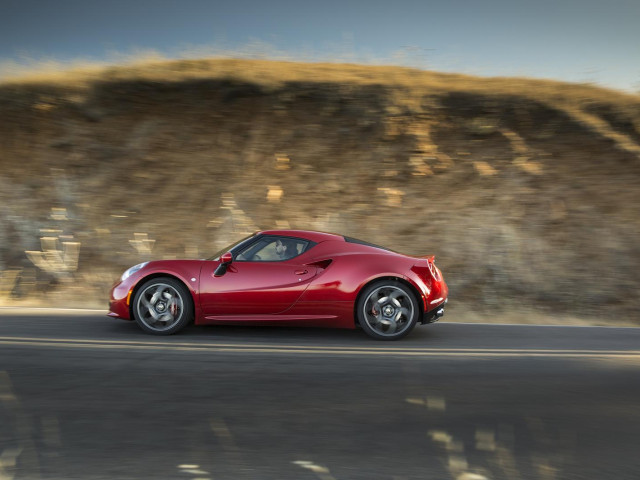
(162,306)
(387,310)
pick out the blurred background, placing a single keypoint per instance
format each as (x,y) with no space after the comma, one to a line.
(502,137)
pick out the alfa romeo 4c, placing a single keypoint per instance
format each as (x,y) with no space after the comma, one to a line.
(286,277)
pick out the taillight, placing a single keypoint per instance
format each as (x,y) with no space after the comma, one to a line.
(435,273)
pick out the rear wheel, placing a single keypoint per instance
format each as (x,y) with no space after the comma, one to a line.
(387,310)
(162,306)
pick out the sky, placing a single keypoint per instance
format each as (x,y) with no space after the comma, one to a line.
(595,41)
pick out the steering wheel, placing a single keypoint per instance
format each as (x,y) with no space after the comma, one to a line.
(256,257)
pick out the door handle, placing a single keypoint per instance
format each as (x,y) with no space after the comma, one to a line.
(300,272)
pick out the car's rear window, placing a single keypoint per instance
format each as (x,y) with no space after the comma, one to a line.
(368,244)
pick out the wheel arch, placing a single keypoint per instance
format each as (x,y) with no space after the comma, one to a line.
(395,278)
(153,275)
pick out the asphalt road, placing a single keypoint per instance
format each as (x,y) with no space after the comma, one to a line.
(83,396)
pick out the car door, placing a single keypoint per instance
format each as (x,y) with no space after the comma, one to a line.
(254,283)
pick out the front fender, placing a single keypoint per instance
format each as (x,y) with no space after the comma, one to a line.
(185,271)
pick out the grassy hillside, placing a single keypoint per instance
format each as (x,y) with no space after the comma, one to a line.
(527,191)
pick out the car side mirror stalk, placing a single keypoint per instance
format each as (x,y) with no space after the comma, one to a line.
(225,260)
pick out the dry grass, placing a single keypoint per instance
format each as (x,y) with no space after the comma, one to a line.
(278,73)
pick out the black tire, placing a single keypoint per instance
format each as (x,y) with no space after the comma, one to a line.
(386,303)
(162,306)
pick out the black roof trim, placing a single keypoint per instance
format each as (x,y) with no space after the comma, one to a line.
(368,244)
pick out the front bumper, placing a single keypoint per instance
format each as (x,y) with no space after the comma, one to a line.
(118,300)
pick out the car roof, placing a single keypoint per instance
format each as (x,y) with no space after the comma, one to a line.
(306,234)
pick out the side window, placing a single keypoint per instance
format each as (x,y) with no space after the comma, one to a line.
(273,249)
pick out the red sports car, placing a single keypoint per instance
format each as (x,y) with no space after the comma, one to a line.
(286,277)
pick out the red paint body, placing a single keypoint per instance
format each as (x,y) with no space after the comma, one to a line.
(316,288)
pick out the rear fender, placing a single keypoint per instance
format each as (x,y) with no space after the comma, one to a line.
(417,287)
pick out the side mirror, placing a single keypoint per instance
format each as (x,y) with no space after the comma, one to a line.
(225,260)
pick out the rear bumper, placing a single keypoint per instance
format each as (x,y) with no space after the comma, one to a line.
(434,314)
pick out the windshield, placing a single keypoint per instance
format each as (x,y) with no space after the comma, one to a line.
(232,246)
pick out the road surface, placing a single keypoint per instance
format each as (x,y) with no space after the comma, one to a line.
(83,396)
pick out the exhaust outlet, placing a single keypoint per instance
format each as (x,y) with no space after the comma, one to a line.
(433,316)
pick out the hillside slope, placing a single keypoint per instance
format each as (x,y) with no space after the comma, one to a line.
(526,191)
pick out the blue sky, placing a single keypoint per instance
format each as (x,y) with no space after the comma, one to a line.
(574,40)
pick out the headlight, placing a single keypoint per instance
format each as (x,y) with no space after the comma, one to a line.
(131,271)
